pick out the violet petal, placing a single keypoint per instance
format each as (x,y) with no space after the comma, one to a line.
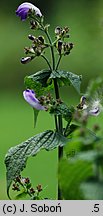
(29,96)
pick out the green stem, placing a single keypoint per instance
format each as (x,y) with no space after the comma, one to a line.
(58,62)
(56,122)
(44,57)
(60,130)
(51,47)
(59,124)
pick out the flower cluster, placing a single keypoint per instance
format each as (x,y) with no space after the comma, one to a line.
(27,187)
(36,49)
(63,47)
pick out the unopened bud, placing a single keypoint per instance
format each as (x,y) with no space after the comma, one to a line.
(26,59)
(27,180)
(32,191)
(71,45)
(60,46)
(31,37)
(41,39)
(39,187)
(15,187)
(58,30)
(34,24)
(66,28)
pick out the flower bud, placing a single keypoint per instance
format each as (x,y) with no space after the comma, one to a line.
(34,24)
(15,187)
(71,45)
(39,187)
(32,191)
(31,37)
(66,29)
(58,30)
(59,46)
(41,39)
(25,60)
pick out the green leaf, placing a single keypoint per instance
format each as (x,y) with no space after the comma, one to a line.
(39,82)
(68,77)
(71,175)
(17,156)
(64,110)
(75,80)
(70,129)
(41,77)
(93,190)
(21,195)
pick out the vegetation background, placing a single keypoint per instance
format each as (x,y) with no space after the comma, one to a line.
(85,19)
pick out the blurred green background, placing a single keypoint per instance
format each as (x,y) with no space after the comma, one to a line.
(85,19)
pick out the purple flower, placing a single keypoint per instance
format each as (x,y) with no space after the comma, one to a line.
(29,96)
(93,109)
(94,112)
(23,9)
(96,108)
(26,59)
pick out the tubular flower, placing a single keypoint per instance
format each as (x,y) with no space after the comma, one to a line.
(23,9)
(29,96)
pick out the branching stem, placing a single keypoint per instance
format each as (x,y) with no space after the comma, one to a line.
(45,58)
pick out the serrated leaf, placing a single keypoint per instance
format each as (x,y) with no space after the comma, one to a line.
(64,110)
(41,77)
(71,175)
(75,80)
(17,156)
(39,82)
(68,77)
